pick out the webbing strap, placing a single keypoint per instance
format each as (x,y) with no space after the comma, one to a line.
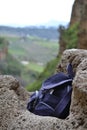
(70,70)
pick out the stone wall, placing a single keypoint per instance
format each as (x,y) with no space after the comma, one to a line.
(13,100)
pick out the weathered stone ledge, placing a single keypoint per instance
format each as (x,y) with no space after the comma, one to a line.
(13,100)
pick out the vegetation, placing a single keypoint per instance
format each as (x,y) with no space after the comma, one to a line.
(69,36)
(38,50)
(48,71)
(10,66)
(3,42)
(35,50)
(35,67)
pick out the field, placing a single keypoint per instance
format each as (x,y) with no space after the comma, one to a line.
(33,52)
(36,51)
(33,49)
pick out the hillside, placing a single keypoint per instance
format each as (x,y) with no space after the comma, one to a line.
(32,49)
(49,33)
(31,52)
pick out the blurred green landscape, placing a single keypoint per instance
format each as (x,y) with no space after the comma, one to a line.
(33,49)
(31,54)
(27,54)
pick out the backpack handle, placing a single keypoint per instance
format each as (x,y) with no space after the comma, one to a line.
(70,70)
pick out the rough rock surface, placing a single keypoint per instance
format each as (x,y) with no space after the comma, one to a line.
(79,14)
(13,100)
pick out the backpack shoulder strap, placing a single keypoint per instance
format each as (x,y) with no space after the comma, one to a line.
(63,103)
(32,101)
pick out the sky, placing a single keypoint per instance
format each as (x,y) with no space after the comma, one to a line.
(34,12)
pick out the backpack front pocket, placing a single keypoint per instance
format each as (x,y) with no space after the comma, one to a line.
(51,100)
(43,109)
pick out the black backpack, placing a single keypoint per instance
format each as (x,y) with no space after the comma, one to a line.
(54,97)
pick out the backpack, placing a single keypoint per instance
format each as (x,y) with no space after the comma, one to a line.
(54,97)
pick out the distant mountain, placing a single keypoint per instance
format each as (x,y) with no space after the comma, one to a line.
(46,30)
(49,33)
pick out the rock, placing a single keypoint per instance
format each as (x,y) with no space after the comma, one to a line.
(79,15)
(13,112)
(78,112)
(14,98)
